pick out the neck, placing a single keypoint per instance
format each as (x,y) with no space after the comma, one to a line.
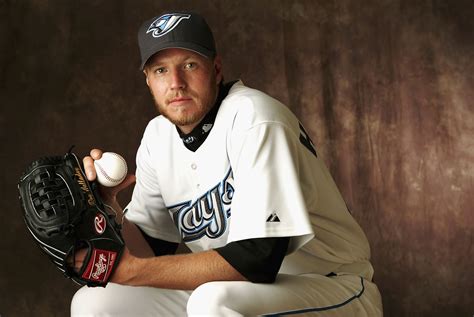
(194,135)
(186,129)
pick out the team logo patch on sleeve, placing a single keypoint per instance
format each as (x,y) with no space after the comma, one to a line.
(166,23)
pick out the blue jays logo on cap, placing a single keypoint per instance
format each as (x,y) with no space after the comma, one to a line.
(166,23)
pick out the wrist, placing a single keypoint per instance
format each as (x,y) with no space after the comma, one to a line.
(110,200)
(115,209)
(127,269)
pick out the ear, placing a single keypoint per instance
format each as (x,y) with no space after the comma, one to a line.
(218,69)
(146,77)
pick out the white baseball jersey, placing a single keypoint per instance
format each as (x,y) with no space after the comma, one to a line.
(256,175)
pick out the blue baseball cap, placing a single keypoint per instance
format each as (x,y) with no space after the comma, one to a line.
(185,30)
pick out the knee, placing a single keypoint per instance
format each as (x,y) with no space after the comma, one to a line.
(80,301)
(211,299)
(90,302)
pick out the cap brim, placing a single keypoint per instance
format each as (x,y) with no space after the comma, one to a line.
(183,45)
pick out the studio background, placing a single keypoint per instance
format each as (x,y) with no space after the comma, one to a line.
(384,88)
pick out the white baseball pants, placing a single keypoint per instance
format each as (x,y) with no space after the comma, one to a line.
(294,295)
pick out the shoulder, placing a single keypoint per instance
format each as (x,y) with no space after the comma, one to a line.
(251,107)
(157,127)
(158,134)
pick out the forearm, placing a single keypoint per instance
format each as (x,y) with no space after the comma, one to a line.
(184,271)
(139,266)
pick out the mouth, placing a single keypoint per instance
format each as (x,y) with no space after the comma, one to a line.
(179,101)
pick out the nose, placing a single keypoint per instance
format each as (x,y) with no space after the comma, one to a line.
(177,79)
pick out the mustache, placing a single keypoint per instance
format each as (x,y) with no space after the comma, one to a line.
(179,95)
(176,96)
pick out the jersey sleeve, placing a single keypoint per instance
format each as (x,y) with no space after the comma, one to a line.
(269,202)
(160,247)
(258,260)
(147,208)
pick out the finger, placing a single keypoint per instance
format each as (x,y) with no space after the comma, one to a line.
(79,259)
(89,168)
(96,154)
(76,260)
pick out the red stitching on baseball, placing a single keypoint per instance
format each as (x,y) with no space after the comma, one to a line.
(107,177)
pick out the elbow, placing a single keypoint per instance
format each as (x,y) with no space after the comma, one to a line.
(265,279)
(262,274)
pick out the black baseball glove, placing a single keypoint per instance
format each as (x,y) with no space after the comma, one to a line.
(64,213)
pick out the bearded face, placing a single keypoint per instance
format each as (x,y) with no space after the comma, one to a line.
(184,85)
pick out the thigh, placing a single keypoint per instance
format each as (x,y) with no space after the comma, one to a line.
(316,295)
(290,295)
(120,300)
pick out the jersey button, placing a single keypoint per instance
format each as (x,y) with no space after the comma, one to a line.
(193,166)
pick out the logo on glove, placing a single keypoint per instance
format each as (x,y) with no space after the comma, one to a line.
(99,223)
(100,265)
(84,186)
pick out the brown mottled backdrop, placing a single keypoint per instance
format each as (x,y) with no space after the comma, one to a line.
(385,89)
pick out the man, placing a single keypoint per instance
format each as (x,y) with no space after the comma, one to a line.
(230,172)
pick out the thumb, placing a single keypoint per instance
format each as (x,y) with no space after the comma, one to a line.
(129,180)
(109,194)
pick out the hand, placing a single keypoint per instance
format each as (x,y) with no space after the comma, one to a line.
(108,194)
(76,261)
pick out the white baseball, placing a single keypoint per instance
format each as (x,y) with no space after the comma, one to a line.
(111,169)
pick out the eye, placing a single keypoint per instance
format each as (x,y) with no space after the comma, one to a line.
(160,70)
(190,65)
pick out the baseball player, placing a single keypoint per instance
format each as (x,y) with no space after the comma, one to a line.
(231,173)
